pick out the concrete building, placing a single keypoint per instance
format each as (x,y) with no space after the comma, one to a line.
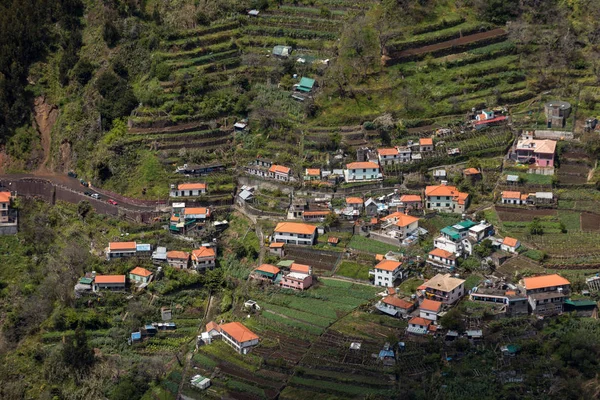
(444,288)
(446,198)
(294,233)
(178,259)
(120,249)
(362,172)
(546,294)
(108,282)
(204,258)
(188,190)
(239,337)
(442,259)
(387,272)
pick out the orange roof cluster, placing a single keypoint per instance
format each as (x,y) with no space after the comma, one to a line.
(387,152)
(511,242)
(109,279)
(388,265)
(409,198)
(5,197)
(442,253)
(139,271)
(354,200)
(362,165)
(419,321)
(295,227)
(238,332)
(203,252)
(301,268)
(396,302)
(431,305)
(544,281)
(122,246)
(179,255)
(426,142)
(279,169)
(192,186)
(471,171)
(313,172)
(268,268)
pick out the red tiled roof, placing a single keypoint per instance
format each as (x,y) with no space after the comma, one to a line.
(313,172)
(362,164)
(238,332)
(539,282)
(196,210)
(396,302)
(379,257)
(409,198)
(139,271)
(274,245)
(109,279)
(471,171)
(295,227)
(388,265)
(279,169)
(212,325)
(333,240)
(492,120)
(192,186)
(301,268)
(387,152)
(5,197)
(426,141)
(203,252)
(508,241)
(511,195)
(268,268)
(180,255)
(442,253)
(419,321)
(354,200)
(431,305)
(122,246)
(316,213)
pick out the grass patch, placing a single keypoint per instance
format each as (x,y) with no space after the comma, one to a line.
(571,219)
(362,243)
(293,323)
(535,255)
(353,270)
(410,286)
(472,281)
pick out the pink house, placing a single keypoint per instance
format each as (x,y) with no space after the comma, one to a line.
(299,277)
(540,152)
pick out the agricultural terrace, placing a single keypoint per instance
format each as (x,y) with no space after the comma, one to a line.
(298,332)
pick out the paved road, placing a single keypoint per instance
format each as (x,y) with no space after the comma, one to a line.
(73,191)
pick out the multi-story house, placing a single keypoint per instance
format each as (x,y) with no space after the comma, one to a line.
(410,202)
(362,172)
(178,259)
(188,190)
(395,306)
(446,198)
(404,154)
(444,288)
(239,337)
(513,302)
(430,309)
(356,203)
(387,272)
(539,152)
(197,213)
(400,226)
(280,173)
(120,249)
(455,238)
(299,277)
(425,144)
(294,233)
(388,156)
(204,258)
(546,294)
(442,259)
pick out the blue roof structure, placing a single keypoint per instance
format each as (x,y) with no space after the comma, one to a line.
(136,336)
(385,354)
(143,247)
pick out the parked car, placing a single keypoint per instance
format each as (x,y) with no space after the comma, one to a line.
(84,183)
(87,193)
(72,174)
(111,201)
(95,196)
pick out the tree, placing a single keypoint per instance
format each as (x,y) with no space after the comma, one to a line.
(535,227)
(77,352)
(453,320)
(484,249)
(331,219)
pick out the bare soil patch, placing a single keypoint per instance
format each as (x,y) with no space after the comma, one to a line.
(590,222)
(521,214)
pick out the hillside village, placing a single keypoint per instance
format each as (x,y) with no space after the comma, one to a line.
(324,199)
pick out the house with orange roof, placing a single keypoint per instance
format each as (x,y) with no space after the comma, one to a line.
(8,216)
(188,190)
(425,144)
(294,233)
(546,294)
(120,249)
(356,203)
(277,248)
(362,171)
(393,155)
(443,287)
(441,259)
(472,174)
(265,168)
(197,213)
(298,278)
(386,272)
(140,275)
(538,152)
(513,197)
(410,202)
(108,282)
(446,198)
(312,174)
(204,258)
(178,259)
(418,326)
(239,337)
(280,173)
(399,225)
(510,244)
(395,306)
(267,272)
(430,309)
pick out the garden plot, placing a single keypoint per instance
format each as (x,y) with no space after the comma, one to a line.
(322,261)
(507,214)
(573,173)
(590,222)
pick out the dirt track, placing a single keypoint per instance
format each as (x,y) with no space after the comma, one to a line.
(451,43)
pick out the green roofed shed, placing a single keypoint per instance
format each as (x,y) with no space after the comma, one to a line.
(86,281)
(306,84)
(451,232)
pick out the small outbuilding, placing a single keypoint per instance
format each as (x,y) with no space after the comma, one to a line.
(200,382)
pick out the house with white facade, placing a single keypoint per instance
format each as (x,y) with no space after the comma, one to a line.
(120,249)
(510,244)
(239,337)
(387,272)
(425,144)
(363,171)
(388,156)
(512,197)
(295,233)
(442,259)
(446,198)
(444,288)
(430,309)
(204,258)
(399,225)
(404,153)
(188,190)
(395,306)
(280,173)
